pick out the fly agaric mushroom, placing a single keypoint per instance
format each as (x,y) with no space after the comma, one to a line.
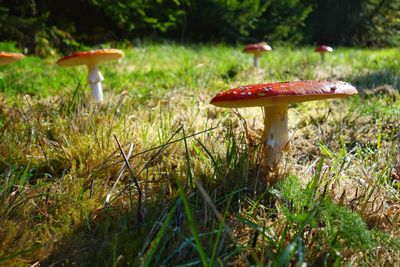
(257,50)
(92,59)
(322,50)
(7,57)
(275,98)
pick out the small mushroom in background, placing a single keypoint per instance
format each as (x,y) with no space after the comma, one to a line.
(92,59)
(257,50)
(275,98)
(322,50)
(7,57)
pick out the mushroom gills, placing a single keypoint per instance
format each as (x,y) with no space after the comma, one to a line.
(276,133)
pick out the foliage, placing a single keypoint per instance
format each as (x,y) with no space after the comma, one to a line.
(380,25)
(222,19)
(8,46)
(29,25)
(42,25)
(359,22)
(138,15)
(283,21)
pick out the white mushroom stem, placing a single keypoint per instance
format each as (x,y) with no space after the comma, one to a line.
(255,61)
(276,133)
(323,57)
(95,78)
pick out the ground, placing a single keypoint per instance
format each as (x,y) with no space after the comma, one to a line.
(205,197)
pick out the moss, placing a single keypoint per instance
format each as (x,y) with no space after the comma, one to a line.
(59,159)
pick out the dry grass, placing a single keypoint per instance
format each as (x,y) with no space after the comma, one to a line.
(336,200)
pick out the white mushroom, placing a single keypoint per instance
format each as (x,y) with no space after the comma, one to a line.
(92,59)
(257,50)
(275,98)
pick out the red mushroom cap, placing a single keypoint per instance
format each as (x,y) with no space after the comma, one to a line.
(272,94)
(93,57)
(323,49)
(8,57)
(257,48)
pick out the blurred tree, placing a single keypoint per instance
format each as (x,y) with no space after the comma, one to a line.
(41,25)
(379,24)
(284,21)
(138,16)
(356,22)
(216,20)
(27,23)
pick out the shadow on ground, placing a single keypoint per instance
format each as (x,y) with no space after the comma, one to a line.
(372,79)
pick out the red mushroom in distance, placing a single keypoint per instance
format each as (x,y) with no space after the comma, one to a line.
(275,98)
(7,57)
(257,50)
(322,50)
(92,59)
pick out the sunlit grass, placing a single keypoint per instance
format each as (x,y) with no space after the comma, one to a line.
(205,199)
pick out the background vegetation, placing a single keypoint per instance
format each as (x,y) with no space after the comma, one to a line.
(156,176)
(204,199)
(41,24)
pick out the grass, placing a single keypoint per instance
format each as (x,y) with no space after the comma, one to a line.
(204,198)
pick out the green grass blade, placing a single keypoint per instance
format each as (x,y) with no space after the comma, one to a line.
(189,168)
(221,225)
(158,238)
(192,224)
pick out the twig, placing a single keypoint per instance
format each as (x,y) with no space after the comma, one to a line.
(208,200)
(139,213)
(153,148)
(174,141)
(163,146)
(121,171)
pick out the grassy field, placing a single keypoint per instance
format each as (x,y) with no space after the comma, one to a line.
(68,197)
